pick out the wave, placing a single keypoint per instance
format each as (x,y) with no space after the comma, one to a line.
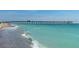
(36,44)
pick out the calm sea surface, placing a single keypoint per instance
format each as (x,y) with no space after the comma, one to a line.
(54,36)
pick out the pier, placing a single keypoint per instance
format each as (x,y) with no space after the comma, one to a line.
(40,22)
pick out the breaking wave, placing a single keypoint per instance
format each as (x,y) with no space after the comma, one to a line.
(36,44)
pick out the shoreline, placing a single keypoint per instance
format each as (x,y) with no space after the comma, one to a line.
(11,37)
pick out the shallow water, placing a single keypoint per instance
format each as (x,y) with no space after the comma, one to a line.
(54,36)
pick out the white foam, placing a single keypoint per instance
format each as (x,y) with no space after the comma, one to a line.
(10,28)
(26,36)
(36,44)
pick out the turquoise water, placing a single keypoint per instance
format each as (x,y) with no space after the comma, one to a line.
(54,36)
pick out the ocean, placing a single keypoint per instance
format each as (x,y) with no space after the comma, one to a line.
(54,36)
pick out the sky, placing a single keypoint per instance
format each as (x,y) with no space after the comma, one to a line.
(39,15)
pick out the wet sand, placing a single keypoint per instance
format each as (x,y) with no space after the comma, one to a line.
(12,38)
